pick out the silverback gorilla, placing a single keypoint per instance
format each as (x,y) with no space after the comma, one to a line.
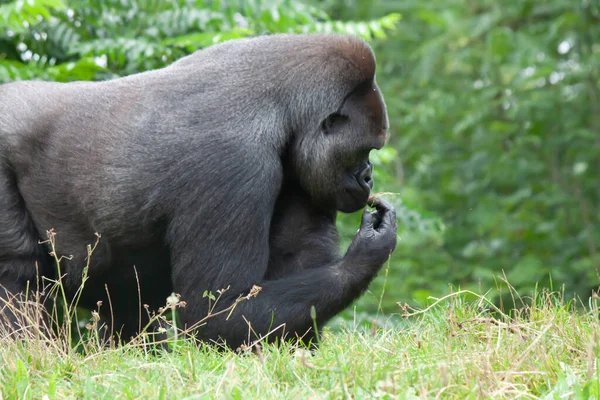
(224,169)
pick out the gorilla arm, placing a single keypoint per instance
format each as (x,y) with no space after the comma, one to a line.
(282,308)
(213,249)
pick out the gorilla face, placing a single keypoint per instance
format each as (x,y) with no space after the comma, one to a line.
(334,163)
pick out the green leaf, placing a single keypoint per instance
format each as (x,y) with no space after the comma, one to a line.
(19,15)
(200,40)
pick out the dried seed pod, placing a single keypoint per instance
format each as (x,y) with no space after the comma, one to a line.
(372,198)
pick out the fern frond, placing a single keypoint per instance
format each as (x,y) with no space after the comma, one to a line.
(367,30)
(15,71)
(19,15)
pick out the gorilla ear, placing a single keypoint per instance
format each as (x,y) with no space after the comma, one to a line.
(332,120)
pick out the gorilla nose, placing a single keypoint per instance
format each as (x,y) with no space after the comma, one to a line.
(365,177)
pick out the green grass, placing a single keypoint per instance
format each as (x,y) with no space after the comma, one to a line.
(454,349)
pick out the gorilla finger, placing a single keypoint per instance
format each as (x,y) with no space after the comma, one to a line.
(381,205)
(377,217)
(389,220)
(367,220)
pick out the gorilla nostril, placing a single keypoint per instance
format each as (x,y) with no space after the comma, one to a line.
(364,177)
(367,182)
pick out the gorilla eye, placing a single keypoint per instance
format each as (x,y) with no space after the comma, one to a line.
(328,123)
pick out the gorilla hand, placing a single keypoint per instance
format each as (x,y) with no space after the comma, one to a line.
(376,238)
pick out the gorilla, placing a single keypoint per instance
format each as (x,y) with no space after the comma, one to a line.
(225,169)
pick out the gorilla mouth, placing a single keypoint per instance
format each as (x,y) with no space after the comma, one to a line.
(360,196)
(353,198)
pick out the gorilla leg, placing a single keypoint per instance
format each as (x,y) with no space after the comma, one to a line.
(19,252)
(133,306)
(129,291)
(11,297)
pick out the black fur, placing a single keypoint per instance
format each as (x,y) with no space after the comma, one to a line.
(224,169)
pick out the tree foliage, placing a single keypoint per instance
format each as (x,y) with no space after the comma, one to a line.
(94,40)
(495,112)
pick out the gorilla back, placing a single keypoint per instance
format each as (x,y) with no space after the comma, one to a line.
(224,169)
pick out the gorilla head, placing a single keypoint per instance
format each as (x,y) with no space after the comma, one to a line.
(361,125)
(330,150)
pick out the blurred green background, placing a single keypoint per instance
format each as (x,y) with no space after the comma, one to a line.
(494,157)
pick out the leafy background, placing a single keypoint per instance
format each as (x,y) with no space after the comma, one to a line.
(494,158)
